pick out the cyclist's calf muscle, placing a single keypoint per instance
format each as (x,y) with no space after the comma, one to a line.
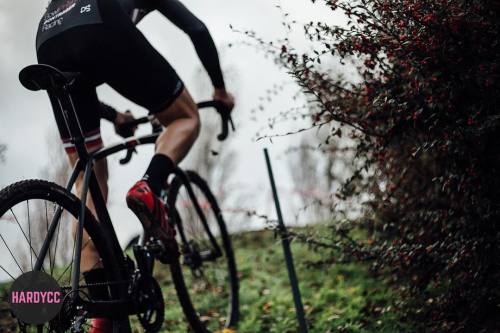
(183,127)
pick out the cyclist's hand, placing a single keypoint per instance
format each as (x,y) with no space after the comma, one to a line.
(225,97)
(121,127)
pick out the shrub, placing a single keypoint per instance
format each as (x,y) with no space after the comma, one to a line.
(424,113)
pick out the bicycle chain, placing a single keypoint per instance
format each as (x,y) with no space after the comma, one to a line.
(98,284)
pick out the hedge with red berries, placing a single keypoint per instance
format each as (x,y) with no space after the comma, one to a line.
(424,114)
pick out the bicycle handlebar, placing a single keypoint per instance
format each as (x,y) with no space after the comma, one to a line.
(128,157)
(225,115)
(221,109)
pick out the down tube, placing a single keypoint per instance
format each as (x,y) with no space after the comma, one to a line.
(79,166)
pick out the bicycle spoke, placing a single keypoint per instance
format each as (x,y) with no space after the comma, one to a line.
(25,237)
(8,248)
(62,274)
(3,269)
(70,265)
(29,233)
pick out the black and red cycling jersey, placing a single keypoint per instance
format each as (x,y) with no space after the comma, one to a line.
(185,20)
(62,15)
(65,14)
(98,38)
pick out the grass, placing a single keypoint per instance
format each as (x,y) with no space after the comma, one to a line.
(339,298)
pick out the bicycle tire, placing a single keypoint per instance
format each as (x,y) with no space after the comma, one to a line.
(176,270)
(43,190)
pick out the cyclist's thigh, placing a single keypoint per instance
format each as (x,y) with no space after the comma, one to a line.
(183,107)
(135,69)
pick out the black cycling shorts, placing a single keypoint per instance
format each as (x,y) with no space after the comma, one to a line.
(113,52)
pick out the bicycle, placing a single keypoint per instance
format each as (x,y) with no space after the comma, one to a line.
(132,287)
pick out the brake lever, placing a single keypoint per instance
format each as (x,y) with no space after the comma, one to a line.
(128,157)
(225,115)
(232,124)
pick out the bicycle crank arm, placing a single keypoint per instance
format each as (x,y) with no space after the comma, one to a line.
(115,309)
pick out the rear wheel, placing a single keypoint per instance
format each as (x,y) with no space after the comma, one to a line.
(27,209)
(206,279)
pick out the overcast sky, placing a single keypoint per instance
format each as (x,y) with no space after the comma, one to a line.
(26,118)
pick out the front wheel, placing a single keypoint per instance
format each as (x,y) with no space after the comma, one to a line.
(206,280)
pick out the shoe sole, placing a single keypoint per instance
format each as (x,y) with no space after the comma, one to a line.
(140,209)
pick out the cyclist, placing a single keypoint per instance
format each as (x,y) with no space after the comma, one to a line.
(99,39)
(197,31)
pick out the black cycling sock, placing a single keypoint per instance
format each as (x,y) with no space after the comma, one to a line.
(159,169)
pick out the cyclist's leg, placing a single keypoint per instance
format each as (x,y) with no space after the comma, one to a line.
(183,123)
(132,67)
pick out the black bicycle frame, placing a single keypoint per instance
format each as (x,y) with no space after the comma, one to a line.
(90,184)
(84,164)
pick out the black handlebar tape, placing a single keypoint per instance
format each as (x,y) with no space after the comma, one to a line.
(225,129)
(137,121)
(211,104)
(225,114)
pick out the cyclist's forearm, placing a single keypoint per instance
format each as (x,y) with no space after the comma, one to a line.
(108,112)
(179,15)
(207,52)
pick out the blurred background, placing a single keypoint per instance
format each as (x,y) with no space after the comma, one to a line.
(235,169)
(396,178)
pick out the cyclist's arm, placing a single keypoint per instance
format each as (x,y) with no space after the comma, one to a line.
(108,112)
(137,9)
(179,15)
(119,119)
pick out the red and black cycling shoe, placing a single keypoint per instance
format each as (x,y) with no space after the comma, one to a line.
(100,325)
(152,213)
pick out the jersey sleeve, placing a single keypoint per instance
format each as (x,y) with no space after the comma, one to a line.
(108,112)
(179,15)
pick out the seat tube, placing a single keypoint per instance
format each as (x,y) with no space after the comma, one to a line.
(68,111)
(75,277)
